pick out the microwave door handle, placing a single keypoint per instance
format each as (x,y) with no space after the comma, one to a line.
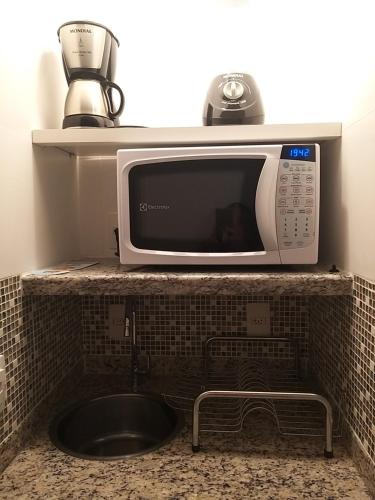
(265,204)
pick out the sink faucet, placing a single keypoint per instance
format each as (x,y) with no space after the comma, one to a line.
(131,331)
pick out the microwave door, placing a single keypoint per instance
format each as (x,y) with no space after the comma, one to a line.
(265,209)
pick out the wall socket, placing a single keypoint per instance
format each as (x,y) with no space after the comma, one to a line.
(258,319)
(3,384)
(116,320)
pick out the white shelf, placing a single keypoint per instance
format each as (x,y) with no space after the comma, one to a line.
(105,142)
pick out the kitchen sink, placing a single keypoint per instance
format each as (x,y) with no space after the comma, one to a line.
(115,427)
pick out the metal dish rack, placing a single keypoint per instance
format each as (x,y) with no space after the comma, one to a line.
(223,392)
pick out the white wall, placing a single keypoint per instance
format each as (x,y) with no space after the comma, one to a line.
(349,237)
(358,164)
(37,189)
(171,50)
(98,213)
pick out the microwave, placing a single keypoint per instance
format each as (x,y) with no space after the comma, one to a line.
(218,205)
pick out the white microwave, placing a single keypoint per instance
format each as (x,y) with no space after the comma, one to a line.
(235,205)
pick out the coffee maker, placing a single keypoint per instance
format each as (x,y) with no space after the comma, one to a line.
(89,56)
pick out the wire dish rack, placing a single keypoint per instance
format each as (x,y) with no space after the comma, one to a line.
(222,392)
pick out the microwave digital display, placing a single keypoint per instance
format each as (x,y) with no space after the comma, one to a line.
(195,205)
(299,152)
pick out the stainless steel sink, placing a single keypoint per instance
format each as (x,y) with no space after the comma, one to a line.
(114,427)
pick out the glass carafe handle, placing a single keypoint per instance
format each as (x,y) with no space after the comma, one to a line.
(112,113)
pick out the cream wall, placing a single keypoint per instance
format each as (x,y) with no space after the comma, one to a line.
(311,64)
(349,236)
(358,196)
(37,189)
(356,247)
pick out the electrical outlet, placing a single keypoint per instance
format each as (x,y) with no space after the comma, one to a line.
(258,319)
(116,320)
(2,383)
(112,224)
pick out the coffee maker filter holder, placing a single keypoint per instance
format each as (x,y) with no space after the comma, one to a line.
(89,54)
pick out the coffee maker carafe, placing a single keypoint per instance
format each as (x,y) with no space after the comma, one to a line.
(89,56)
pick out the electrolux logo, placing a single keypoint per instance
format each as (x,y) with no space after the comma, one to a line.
(80,30)
(146,207)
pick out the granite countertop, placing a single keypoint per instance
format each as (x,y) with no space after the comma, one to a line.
(108,277)
(255,464)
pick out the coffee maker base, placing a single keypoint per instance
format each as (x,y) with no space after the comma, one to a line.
(87,121)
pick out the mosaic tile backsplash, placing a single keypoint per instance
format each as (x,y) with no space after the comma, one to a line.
(342,356)
(16,348)
(40,339)
(178,325)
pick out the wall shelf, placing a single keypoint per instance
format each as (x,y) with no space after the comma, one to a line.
(106,142)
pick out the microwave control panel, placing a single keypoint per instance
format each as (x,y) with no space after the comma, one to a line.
(296,197)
